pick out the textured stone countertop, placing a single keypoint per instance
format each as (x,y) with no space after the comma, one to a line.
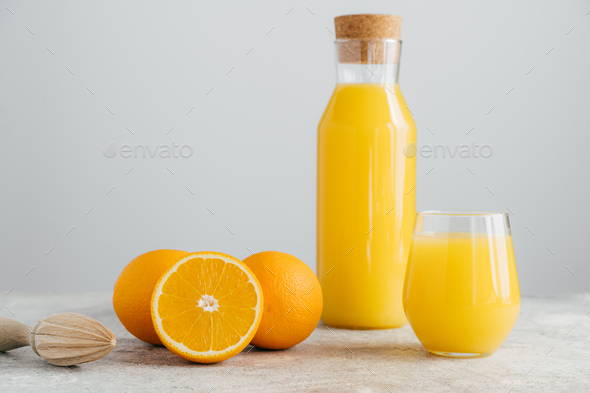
(548,351)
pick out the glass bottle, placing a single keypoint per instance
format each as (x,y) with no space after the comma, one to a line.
(366,179)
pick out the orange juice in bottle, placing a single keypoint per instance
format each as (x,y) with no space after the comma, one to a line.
(366,179)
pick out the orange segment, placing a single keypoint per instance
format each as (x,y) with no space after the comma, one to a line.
(207,307)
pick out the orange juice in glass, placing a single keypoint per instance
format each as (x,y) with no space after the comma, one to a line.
(461,293)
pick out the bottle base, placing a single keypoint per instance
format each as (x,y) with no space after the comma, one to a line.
(461,355)
(338,326)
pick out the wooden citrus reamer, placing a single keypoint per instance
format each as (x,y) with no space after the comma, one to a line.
(62,339)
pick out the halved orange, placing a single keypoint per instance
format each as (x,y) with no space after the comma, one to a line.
(207,307)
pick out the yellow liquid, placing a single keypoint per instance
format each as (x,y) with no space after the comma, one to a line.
(461,294)
(366,205)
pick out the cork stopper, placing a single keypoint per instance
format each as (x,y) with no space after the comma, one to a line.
(365,38)
(368,26)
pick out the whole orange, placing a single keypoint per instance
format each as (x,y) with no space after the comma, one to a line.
(293,299)
(134,288)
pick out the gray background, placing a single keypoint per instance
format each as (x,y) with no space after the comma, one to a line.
(254,134)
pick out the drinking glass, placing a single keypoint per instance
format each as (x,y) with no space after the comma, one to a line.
(461,293)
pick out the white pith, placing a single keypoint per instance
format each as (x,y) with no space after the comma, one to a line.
(209,302)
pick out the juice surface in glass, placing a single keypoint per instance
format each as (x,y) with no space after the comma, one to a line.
(366,204)
(461,294)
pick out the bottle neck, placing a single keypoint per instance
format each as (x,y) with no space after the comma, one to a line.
(367,61)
